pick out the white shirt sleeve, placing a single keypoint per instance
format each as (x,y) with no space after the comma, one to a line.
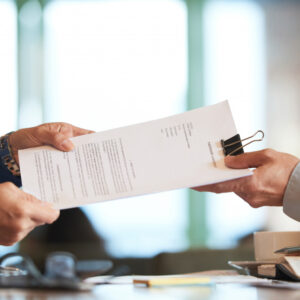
(291,198)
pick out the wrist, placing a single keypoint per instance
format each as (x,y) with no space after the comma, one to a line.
(12,148)
(9,155)
(291,203)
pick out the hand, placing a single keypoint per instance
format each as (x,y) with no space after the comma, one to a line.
(268,183)
(55,134)
(20,213)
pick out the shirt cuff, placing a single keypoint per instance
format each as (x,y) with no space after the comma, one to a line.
(9,169)
(291,198)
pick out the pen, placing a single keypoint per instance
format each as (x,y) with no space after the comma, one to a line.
(174,281)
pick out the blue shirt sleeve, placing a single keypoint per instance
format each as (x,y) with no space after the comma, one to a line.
(9,170)
(291,199)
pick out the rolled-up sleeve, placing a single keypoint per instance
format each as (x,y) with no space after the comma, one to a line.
(291,199)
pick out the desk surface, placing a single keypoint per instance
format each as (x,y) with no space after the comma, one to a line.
(117,292)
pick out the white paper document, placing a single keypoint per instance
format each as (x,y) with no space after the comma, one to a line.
(294,262)
(180,151)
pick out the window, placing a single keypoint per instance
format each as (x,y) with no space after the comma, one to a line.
(114,63)
(109,63)
(235,68)
(8,70)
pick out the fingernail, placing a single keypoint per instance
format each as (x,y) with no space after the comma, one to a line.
(67,145)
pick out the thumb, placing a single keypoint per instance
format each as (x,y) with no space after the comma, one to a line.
(246,160)
(60,141)
(66,145)
(55,134)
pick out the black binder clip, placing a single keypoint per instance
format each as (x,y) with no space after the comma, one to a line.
(234,146)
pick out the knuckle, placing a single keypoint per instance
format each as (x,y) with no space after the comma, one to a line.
(8,185)
(269,153)
(65,124)
(60,126)
(253,187)
(28,198)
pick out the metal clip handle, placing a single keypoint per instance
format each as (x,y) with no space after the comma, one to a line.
(249,137)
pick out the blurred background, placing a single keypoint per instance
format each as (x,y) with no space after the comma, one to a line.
(108,63)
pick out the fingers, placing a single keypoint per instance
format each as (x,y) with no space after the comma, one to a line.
(267,185)
(55,134)
(249,160)
(66,145)
(41,212)
(243,161)
(58,140)
(20,213)
(222,187)
(38,211)
(58,135)
(80,131)
(214,188)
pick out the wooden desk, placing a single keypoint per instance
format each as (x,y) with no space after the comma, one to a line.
(124,292)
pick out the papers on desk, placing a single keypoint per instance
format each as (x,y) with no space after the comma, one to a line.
(294,262)
(201,278)
(180,151)
(216,277)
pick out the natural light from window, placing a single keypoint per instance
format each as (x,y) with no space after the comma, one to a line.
(234,68)
(8,69)
(115,63)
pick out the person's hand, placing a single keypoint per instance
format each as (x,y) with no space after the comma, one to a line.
(266,186)
(20,213)
(54,134)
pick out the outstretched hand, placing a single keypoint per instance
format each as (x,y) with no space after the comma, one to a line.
(20,213)
(55,134)
(266,186)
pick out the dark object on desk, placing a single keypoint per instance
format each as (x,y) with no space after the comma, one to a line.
(89,268)
(279,271)
(62,271)
(289,250)
(72,232)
